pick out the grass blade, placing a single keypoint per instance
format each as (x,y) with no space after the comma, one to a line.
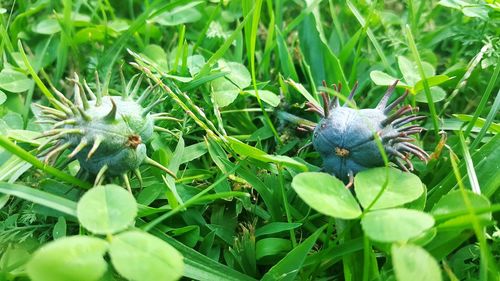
(469,165)
(39,197)
(289,266)
(489,120)
(416,56)
(28,157)
(484,99)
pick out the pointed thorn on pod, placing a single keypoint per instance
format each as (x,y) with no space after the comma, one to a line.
(127,182)
(352,93)
(98,90)
(84,115)
(100,175)
(89,91)
(55,151)
(138,174)
(350,174)
(83,143)
(111,116)
(400,164)
(95,146)
(385,99)
(136,88)
(396,102)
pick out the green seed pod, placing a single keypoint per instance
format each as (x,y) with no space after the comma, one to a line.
(107,134)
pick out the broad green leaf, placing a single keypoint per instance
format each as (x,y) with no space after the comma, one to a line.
(400,187)
(326,194)
(271,246)
(118,25)
(195,63)
(454,4)
(437,93)
(179,15)
(75,258)
(433,81)
(224,92)
(286,61)
(173,166)
(141,256)
(194,151)
(47,27)
(14,81)
(14,120)
(452,206)
(90,34)
(25,136)
(155,53)
(414,263)
(266,96)
(3,97)
(300,88)
(255,153)
(275,227)
(476,11)
(158,55)
(4,198)
(394,225)
(106,209)
(383,79)
(40,197)
(289,266)
(59,229)
(237,73)
(480,122)
(410,72)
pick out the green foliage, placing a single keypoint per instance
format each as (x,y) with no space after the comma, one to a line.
(139,256)
(135,255)
(396,224)
(326,194)
(249,201)
(106,209)
(409,260)
(381,188)
(78,258)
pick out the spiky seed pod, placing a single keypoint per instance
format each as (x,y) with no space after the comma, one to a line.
(345,137)
(106,134)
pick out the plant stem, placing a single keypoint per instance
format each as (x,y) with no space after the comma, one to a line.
(285,204)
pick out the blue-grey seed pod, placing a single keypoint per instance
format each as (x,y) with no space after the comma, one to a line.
(346,137)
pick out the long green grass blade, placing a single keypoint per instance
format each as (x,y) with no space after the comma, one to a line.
(489,120)
(289,266)
(427,89)
(39,197)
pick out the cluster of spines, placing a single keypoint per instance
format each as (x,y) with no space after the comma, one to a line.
(67,112)
(397,142)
